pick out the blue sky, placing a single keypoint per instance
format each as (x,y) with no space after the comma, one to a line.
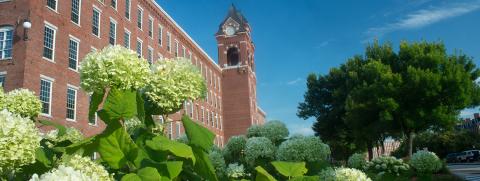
(295,38)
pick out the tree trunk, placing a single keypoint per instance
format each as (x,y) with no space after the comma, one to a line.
(370,151)
(410,136)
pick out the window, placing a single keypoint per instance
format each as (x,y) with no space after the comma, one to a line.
(208,117)
(150,27)
(114,4)
(75,14)
(126,39)
(96,22)
(73,53)
(49,42)
(216,119)
(150,55)
(169,42)
(170,130)
(190,55)
(2,79)
(139,17)
(221,123)
(191,109)
(71,103)
(113,32)
(6,42)
(139,47)
(184,52)
(160,56)
(212,123)
(160,34)
(127,9)
(92,121)
(179,129)
(176,48)
(45,96)
(203,114)
(52,4)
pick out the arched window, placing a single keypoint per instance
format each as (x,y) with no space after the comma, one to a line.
(233,57)
(6,42)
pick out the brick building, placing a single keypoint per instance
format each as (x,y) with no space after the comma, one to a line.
(43,41)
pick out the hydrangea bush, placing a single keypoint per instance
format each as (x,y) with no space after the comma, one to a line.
(62,173)
(71,134)
(357,161)
(255,131)
(343,174)
(173,81)
(23,102)
(218,162)
(234,148)
(426,162)
(275,131)
(113,67)
(235,171)
(303,148)
(19,139)
(259,147)
(387,164)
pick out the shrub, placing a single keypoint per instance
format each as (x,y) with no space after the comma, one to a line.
(113,67)
(23,102)
(343,174)
(275,131)
(234,148)
(71,134)
(425,162)
(357,161)
(301,148)
(172,82)
(218,162)
(258,147)
(76,168)
(255,131)
(235,171)
(19,139)
(387,164)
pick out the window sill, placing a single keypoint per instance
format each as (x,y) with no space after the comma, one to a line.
(71,120)
(77,24)
(47,59)
(46,115)
(54,10)
(95,125)
(6,59)
(73,70)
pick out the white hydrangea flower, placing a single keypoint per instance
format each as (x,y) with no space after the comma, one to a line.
(387,164)
(259,147)
(113,67)
(89,168)
(62,173)
(23,102)
(172,82)
(343,174)
(131,124)
(426,162)
(19,139)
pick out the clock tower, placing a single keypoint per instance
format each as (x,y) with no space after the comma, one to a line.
(237,61)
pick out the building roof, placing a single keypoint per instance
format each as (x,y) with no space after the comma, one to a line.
(237,16)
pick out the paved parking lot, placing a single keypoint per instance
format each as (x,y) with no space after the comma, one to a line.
(468,171)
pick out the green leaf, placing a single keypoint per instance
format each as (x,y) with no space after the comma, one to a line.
(290,169)
(263,175)
(43,157)
(61,129)
(86,146)
(131,177)
(149,174)
(203,165)
(140,107)
(120,104)
(305,178)
(117,148)
(197,134)
(95,100)
(161,143)
(171,169)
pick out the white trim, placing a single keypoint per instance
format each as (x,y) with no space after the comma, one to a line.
(160,34)
(185,33)
(74,38)
(78,51)
(50,25)
(141,46)
(79,13)
(129,38)
(47,78)
(73,86)
(74,105)
(95,8)
(54,28)
(141,18)
(3,73)
(110,29)
(129,10)
(51,80)
(116,5)
(56,6)
(151,25)
(150,53)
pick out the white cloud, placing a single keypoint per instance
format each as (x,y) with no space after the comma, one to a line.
(425,17)
(293,82)
(303,129)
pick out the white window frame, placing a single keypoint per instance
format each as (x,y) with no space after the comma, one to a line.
(5,29)
(116,4)
(150,26)
(95,8)
(56,6)
(140,19)
(150,54)
(160,35)
(79,13)
(54,28)
(139,42)
(184,52)
(176,48)
(129,38)
(129,5)
(115,31)
(4,75)
(169,42)
(51,80)
(75,88)
(160,56)
(76,40)
(179,129)
(203,115)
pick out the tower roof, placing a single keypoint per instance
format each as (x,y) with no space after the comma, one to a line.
(236,16)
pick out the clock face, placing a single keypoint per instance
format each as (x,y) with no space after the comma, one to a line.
(230,30)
